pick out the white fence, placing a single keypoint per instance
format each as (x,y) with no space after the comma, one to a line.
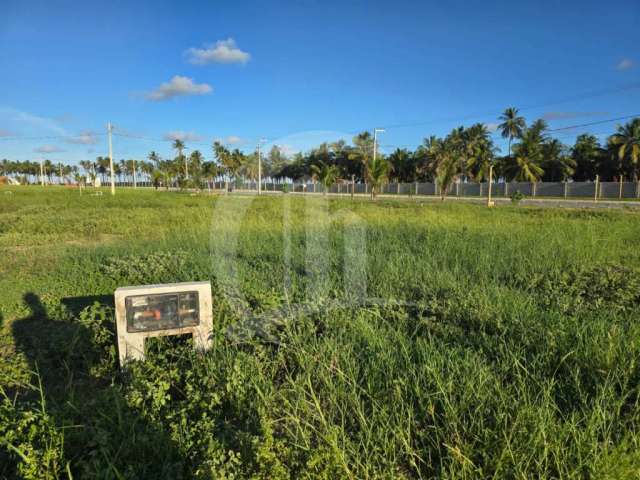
(610,190)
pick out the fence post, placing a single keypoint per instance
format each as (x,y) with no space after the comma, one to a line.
(353,185)
(534,188)
(506,188)
(595,198)
(638,189)
(566,189)
(620,192)
(457,189)
(480,188)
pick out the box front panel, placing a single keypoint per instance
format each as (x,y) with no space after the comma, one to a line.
(148,313)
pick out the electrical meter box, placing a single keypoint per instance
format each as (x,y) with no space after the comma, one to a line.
(159,310)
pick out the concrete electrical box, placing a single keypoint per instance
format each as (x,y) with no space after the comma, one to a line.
(159,310)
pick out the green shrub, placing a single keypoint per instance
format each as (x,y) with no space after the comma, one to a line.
(516,197)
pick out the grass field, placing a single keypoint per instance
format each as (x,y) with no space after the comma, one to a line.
(494,343)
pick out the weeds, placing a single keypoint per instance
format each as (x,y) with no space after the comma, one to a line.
(497,343)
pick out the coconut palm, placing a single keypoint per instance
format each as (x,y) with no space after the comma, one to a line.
(538,129)
(179,146)
(627,142)
(362,151)
(512,125)
(528,156)
(587,153)
(557,163)
(523,169)
(326,174)
(154,157)
(231,162)
(403,165)
(479,151)
(445,158)
(195,160)
(377,174)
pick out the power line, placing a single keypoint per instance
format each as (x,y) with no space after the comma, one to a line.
(583,96)
(593,123)
(51,137)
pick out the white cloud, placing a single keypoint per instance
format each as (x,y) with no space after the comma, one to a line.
(15,116)
(48,149)
(184,136)
(223,51)
(178,86)
(233,140)
(230,140)
(84,138)
(491,127)
(288,150)
(625,64)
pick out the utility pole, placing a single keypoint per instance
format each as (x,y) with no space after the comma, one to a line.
(489,202)
(134,174)
(375,141)
(113,179)
(260,166)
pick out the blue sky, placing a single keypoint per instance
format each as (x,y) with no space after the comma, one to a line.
(297,73)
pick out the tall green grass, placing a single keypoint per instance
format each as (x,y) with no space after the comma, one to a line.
(498,343)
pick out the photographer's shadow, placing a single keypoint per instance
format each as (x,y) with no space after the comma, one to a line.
(83,394)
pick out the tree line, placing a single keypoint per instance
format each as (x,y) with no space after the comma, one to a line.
(465,154)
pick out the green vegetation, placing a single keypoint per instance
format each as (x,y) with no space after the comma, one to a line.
(503,343)
(465,153)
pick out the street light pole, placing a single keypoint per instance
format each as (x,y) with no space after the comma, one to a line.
(375,141)
(113,178)
(260,166)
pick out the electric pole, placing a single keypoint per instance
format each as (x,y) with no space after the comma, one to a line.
(113,179)
(375,141)
(490,203)
(260,167)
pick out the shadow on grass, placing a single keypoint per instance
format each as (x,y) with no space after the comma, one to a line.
(75,305)
(103,436)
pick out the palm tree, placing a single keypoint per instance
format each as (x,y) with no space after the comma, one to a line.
(512,125)
(195,159)
(403,165)
(524,170)
(362,150)
(444,157)
(178,145)
(557,164)
(525,167)
(627,142)
(377,174)
(154,157)
(479,150)
(539,130)
(587,153)
(325,174)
